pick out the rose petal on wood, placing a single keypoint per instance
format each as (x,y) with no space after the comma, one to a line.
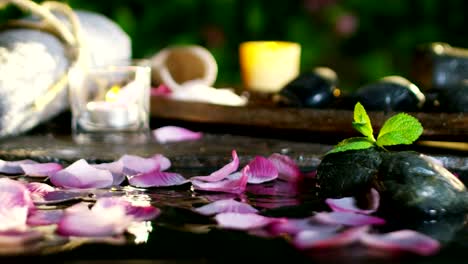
(168,134)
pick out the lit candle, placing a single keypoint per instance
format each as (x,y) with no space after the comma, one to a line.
(112,115)
(117,110)
(267,66)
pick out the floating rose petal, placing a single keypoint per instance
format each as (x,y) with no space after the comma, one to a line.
(226,206)
(116,168)
(294,226)
(78,220)
(41,169)
(14,167)
(403,240)
(44,217)
(135,164)
(287,168)
(222,173)
(156,179)
(38,190)
(17,238)
(276,189)
(262,170)
(319,239)
(348,219)
(243,221)
(15,202)
(229,186)
(81,175)
(348,204)
(62,196)
(175,134)
(137,212)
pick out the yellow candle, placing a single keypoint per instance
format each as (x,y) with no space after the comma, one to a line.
(267,66)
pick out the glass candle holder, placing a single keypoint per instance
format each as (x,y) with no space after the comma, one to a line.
(110,104)
(267,66)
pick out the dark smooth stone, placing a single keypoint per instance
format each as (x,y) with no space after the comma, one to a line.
(393,93)
(312,89)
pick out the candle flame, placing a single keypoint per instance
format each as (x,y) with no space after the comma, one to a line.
(113,94)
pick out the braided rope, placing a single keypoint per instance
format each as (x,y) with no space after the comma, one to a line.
(73,38)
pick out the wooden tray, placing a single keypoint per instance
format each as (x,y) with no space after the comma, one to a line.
(437,126)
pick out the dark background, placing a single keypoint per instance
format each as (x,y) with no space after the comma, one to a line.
(363,40)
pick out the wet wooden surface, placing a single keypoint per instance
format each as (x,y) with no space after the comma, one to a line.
(337,123)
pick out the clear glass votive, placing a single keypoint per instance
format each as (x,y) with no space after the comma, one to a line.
(110,104)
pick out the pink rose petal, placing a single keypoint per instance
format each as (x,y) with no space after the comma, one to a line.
(294,226)
(175,134)
(62,196)
(137,212)
(287,168)
(135,164)
(226,206)
(229,186)
(348,204)
(14,167)
(163,161)
(38,190)
(222,173)
(81,175)
(348,219)
(156,179)
(116,168)
(78,220)
(15,202)
(403,240)
(161,90)
(41,169)
(44,217)
(243,221)
(262,170)
(319,239)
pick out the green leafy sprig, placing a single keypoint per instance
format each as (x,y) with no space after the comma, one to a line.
(398,129)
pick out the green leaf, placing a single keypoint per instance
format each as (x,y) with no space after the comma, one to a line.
(352,144)
(399,129)
(362,122)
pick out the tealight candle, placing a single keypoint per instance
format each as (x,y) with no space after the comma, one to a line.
(112,115)
(267,66)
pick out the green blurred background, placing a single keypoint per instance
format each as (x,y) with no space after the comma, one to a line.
(362,40)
